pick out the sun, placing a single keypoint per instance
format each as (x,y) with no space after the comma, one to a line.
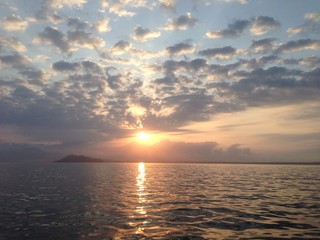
(142,136)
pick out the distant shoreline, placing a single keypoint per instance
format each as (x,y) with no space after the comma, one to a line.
(85,159)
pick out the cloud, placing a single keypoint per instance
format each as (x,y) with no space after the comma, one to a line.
(258,26)
(219,53)
(168,4)
(234,29)
(313,16)
(13,43)
(263,24)
(14,23)
(103,25)
(53,36)
(143,34)
(58,4)
(121,47)
(181,23)
(84,39)
(298,45)
(170,151)
(262,45)
(49,9)
(180,49)
(65,66)
(118,7)
(15,60)
(311,25)
(78,24)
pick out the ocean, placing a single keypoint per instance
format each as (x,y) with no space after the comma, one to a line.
(158,201)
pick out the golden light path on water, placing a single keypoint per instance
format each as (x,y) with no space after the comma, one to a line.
(141,178)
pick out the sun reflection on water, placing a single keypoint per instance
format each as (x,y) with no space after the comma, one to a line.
(140,209)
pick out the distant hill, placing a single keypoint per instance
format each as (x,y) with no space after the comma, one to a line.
(79,159)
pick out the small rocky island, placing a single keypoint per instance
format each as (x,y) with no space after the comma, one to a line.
(79,159)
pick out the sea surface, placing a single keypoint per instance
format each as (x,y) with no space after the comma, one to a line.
(158,201)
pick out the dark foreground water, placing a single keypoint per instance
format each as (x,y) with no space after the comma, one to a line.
(159,201)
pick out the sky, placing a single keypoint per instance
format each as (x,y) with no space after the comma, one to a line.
(205,80)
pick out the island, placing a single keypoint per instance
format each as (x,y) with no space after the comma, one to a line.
(79,159)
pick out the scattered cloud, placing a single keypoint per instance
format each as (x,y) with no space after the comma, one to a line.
(262,45)
(298,45)
(258,26)
(181,23)
(263,24)
(311,25)
(168,4)
(143,34)
(57,39)
(103,25)
(180,48)
(234,29)
(219,53)
(14,23)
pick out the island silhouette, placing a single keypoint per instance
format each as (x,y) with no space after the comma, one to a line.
(80,159)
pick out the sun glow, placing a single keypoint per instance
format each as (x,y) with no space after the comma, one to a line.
(142,136)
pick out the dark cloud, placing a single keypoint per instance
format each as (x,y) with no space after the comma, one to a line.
(56,38)
(78,24)
(262,45)
(234,29)
(65,66)
(258,26)
(180,48)
(219,53)
(15,60)
(298,45)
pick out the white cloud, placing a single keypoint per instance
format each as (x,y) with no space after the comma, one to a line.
(14,23)
(103,25)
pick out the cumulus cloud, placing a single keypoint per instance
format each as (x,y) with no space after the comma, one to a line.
(65,66)
(219,53)
(168,4)
(49,9)
(118,7)
(14,60)
(262,45)
(85,39)
(12,43)
(68,43)
(103,25)
(298,45)
(258,26)
(263,24)
(180,48)
(143,34)
(53,36)
(234,29)
(14,23)
(120,47)
(311,24)
(181,23)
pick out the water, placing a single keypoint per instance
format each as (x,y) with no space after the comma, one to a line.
(159,201)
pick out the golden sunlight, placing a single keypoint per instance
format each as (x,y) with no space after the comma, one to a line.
(142,136)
